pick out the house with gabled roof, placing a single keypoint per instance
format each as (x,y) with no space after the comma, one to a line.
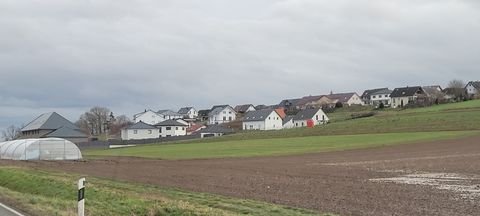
(244,108)
(311,117)
(401,97)
(170,114)
(267,119)
(140,130)
(473,89)
(188,112)
(171,127)
(221,114)
(53,125)
(347,99)
(287,122)
(149,117)
(375,97)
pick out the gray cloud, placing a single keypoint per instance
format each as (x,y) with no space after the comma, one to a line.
(70,55)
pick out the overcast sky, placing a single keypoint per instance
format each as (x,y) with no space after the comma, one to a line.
(69,55)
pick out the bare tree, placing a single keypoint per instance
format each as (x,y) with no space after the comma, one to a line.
(11,133)
(457,88)
(118,123)
(96,121)
(456,84)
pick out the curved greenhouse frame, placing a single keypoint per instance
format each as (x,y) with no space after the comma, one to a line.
(40,149)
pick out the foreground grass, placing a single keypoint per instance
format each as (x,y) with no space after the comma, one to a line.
(276,146)
(51,193)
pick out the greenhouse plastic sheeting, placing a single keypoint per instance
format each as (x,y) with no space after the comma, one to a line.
(40,149)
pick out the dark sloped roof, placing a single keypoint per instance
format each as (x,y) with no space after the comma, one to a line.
(367,93)
(217,106)
(306,114)
(219,109)
(49,121)
(66,132)
(203,112)
(243,108)
(287,119)
(184,110)
(141,125)
(406,91)
(170,123)
(341,97)
(475,84)
(168,113)
(453,91)
(289,102)
(216,129)
(259,115)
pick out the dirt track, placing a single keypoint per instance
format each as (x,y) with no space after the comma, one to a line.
(356,182)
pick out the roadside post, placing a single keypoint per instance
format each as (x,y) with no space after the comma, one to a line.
(81,197)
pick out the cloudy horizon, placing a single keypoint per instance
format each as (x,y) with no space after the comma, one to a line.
(67,56)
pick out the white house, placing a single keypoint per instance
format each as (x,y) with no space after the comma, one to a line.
(347,99)
(140,130)
(170,128)
(288,122)
(221,114)
(376,97)
(315,116)
(188,112)
(169,114)
(473,88)
(149,117)
(262,120)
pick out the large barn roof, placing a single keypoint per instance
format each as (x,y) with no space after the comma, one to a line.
(49,121)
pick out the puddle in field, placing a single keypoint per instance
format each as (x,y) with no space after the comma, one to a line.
(467,187)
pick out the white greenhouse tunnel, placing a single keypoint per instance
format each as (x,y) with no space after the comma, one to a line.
(40,149)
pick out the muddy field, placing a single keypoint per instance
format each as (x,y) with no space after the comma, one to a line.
(436,178)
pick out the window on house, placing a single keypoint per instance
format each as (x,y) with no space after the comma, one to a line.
(224,112)
(168,128)
(316,117)
(386,95)
(296,124)
(374,96)
(380,96)
(230,112)
(149,131)
(176,128)
(135,131)
(230,118)
(160,130)
(302,124)
(225,118)
(183,128)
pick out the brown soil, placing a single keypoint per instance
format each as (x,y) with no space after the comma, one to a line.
(345,183)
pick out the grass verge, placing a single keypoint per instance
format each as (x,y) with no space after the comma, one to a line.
(51,193)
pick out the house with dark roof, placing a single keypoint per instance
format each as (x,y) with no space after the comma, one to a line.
(140,130)
(375,97)
(51,125)
(244,108)
(289,104)
(188,112)
(310,117)
(267,119)
(473,89)
(214,131)
(171,127)
(401,97)
(221,114)
(203,115)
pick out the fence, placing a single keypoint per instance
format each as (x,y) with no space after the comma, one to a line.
(106,144)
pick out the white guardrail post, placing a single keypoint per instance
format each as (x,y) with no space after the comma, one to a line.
(81,197)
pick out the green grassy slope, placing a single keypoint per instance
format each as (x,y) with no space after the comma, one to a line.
(51,193)
(275,146)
